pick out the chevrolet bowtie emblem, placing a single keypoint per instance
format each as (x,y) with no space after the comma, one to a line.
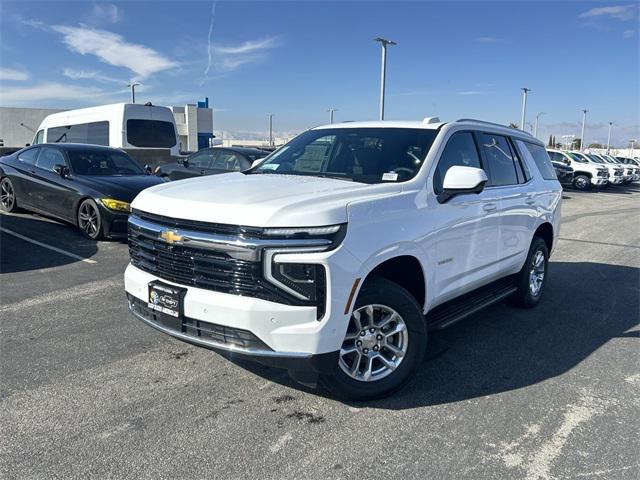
(170,236)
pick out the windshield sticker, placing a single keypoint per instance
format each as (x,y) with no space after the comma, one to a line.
(391,176)
(269,166)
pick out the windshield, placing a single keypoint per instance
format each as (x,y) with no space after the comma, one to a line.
(366,155)
(595,158)
(577,157)
(97,162)
(150,133)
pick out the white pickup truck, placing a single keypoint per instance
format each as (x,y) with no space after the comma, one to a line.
(336,255)
(586,173)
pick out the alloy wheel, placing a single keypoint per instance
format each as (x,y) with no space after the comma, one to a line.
(581,183)
(536,275)
(7,195)
(88,219)
(375,343)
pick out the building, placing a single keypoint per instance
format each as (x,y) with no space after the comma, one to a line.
(194,125)
(19,125)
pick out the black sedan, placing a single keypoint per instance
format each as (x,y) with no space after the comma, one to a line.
(563,172)
(86,185)
(211,161)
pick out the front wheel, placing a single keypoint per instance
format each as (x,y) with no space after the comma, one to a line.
(8,202)
(582,182)
(383,346)
(89,220)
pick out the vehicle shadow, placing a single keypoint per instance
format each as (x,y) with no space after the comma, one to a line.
(19,255)
(585,305)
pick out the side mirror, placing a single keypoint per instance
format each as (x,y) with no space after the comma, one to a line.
(147,168)
(184,162)
(61,170)
(460,180)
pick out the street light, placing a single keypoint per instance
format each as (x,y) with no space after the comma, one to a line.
(584,120)
(609,138)
(525,92)
(383,73)
(331,110)
(633,144)
(535,130)
(133,86)
(270,115)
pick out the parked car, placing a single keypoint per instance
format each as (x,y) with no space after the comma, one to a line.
(633,163)
(616,172)
(336,255)
(120,125)
(628,173)
(563,172)
(211,161)
(86,185)
(586,174)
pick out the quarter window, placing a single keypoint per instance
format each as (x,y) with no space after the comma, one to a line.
(48,158)
(460,150)
(29,156)
(500,160)
(94,133)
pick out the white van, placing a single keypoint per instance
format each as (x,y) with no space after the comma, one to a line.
(121,125)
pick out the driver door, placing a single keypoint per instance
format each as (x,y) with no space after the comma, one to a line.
(50,192)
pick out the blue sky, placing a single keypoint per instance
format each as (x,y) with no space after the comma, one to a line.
(296,59)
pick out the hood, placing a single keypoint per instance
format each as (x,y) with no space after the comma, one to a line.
(262,200)
(123,188)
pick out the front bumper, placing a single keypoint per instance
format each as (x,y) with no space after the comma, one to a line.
(616,180)
(234,344)
(115,223)
(599,181)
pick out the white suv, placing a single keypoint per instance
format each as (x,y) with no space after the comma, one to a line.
(336,255)
(586,174)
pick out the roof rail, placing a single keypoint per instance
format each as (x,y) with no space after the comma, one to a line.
(493,124)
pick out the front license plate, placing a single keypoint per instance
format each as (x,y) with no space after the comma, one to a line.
(166,299)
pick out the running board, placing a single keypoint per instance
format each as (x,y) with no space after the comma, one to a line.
(460,308)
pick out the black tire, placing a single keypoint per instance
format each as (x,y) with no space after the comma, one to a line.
(89,220)
(526,296)
(381,292)
(582,182)
(8,199)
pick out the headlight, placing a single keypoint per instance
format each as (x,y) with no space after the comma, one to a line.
(116,205)
(302,232)
(303,280)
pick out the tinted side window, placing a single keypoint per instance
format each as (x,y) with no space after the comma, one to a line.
(150,133)
(48,158)
(500,160)
(460,150)
(538,155)
(95,133)
(228,161)
(29,156)
(202,159)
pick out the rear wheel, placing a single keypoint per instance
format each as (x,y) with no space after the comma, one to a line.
(532,278)
(89,220)
(582,182)
(8,202)
(383,346)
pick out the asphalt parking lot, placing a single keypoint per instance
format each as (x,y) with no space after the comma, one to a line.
(554,392)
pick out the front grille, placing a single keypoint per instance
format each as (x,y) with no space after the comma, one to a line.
(602,173)
(197,329)
(205,268)
(619,171)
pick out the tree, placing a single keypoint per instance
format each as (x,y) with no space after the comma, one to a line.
(577,142)
(513,125)
(550,143)
(596,145)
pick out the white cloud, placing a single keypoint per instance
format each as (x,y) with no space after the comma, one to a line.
(471,92)
(628,33)
(619,12)
(487,40)
(105,13)
(13,75)
(51,91)
(90,75)
(210,39)
(113,49)
(250,46)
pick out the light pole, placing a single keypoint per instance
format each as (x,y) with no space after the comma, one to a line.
(383,72)
(331,110)
(535,130)
(584,120)
(270,115)
(133,86)
(525,92)
(609,138)
(633,144)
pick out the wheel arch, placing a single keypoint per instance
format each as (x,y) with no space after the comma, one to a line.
(545,231)
(405,270)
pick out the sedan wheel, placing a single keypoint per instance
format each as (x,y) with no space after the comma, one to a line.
(89,220)
(7,196)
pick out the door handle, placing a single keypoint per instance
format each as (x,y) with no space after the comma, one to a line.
(489,207)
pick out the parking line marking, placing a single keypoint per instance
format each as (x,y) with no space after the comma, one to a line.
(44,245)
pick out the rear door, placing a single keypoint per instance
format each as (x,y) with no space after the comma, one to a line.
(25,166)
